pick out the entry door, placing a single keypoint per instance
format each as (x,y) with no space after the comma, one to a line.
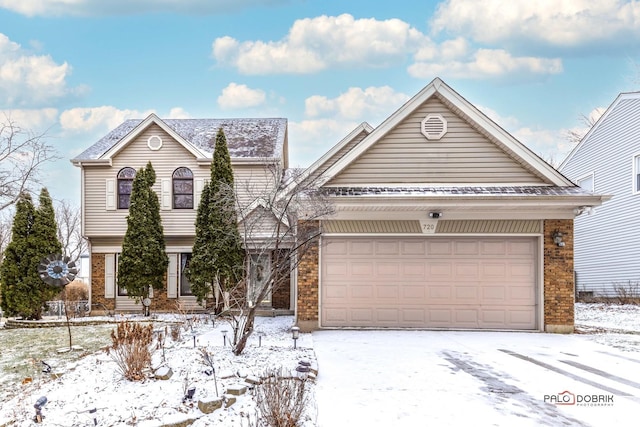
(259,273)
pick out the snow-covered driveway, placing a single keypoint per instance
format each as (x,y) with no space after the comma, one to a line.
(438,378)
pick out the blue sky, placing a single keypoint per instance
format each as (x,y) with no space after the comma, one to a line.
(78,68)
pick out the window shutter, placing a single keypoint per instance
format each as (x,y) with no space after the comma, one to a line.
(110,201)
(199,186)
(109,276)
(166,193)
(172,276)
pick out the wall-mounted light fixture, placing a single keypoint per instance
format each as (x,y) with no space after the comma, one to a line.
(557,238)
(435,215)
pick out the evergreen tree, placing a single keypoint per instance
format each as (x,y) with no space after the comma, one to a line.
(34,236)
(217,254)
(143,262)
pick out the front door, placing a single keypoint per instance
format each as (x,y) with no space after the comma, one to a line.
(259,274)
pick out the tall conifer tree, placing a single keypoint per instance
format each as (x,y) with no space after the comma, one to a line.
(34,236)
(143,262)
(217,254)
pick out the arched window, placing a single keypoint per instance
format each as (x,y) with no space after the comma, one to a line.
(183,188)
(125,184)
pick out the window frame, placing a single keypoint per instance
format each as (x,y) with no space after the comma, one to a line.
(635,177)
(590,176)
(175,194)
(123,179)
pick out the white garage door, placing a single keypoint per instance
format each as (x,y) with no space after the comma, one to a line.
(435,282)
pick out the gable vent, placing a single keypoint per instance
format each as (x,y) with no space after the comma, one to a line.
(434,126)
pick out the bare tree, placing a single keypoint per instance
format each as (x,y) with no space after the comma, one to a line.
(574,136)
(278,227)
(69,230)
(22,154)
(5,233)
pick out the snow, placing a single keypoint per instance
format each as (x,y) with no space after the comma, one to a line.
(366,377)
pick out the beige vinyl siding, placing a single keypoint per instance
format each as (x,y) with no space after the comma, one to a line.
(463,155)
(254,182)
(338,155)
(99,221)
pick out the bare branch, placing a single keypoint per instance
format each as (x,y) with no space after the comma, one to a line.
(69,230)
(22,154)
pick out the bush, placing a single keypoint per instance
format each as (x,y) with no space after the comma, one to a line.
(281,400)
(627,293)
(131,349)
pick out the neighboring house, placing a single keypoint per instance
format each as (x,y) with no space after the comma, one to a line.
(607,161)
(442,219)
(180,151)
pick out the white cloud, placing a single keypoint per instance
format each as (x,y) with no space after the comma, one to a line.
(356,103)
(552,22)
(178,113)
(315,44)
(37,121)
(314,138)
(97,118)
(236,96)
(130,7)
(487,63)
(28,80)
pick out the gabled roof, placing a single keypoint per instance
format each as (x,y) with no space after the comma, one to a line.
(498,135)
(256,138)
(624,96)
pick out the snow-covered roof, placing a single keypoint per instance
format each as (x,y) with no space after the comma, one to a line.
(246,138)
(458,191)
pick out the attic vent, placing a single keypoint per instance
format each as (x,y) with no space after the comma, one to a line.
(434,126)
(154,143)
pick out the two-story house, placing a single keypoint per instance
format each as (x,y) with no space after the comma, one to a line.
(180,151)
(607,161)
(441,219)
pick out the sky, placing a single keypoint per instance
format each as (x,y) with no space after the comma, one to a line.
(78,68)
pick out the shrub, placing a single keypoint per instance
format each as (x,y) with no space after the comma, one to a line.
(627,293)
(131,349)
(280,400)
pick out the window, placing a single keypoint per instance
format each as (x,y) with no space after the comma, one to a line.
(125,184)
(586,182)
(636,173)
(122,291)
(183,188)
(185,286)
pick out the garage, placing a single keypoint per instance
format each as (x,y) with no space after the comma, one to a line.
(429,282)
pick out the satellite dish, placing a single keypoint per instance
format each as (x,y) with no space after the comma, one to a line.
(57,270)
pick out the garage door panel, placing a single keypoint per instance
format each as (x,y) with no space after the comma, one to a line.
(432,282)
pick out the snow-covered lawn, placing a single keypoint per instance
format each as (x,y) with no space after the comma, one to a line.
(90,379)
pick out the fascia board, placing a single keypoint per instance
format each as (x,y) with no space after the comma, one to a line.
(135,132)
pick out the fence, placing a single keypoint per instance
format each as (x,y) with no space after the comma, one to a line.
(75,308)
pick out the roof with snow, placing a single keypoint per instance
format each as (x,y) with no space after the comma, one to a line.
(246,138)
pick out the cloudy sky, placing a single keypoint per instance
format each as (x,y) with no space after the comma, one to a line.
(78,68)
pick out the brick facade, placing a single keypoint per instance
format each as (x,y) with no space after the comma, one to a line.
(308,274)
(559,295)
(558,282)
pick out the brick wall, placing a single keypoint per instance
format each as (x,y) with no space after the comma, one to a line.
(558,278)
(307,301)
(100,304)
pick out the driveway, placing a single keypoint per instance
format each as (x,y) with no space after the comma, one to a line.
(441,378)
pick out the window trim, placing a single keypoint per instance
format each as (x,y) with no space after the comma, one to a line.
(122,179)
(635,177)
(587,176)
(173,187)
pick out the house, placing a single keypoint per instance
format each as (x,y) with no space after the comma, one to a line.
(441,218)
(180,151)
(607,160)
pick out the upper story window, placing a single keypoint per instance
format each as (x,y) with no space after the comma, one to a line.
(183,188)
(125,184)
(586,182)
(636,173)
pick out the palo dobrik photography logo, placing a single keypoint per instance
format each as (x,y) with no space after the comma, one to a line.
(564,398)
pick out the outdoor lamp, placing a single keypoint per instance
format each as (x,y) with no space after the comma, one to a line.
(295,334)
(557,238)
(224,337)
(39,405)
